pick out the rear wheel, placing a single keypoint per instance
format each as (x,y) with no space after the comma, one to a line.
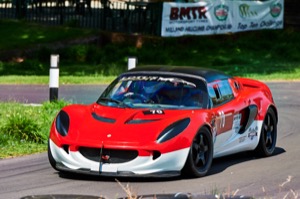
(268,137)
(200,155)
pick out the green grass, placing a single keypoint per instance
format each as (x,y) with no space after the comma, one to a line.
(263,55)
(25,129)
(21,35)
(18,79)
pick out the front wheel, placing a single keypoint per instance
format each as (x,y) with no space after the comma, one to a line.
(200,155)
(50,157)
(268,137)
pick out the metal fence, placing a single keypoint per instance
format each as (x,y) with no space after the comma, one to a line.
(291,14)
(117,16)
(127,16)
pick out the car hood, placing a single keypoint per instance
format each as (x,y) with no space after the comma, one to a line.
(96,124)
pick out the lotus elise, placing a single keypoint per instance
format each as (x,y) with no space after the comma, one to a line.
(164,121)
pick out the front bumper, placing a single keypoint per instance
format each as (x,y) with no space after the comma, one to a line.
(166,165)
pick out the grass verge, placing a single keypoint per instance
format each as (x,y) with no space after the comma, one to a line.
(97,79)
(24,129)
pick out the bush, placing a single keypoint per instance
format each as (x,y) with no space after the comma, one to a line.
(27,123)
(22,127)
(25,129)
(4,138)
(77,53)
(52,108)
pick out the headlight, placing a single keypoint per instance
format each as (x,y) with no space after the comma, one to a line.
(62,123)
(173,130)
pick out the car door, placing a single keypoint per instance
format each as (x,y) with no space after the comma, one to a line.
(226,114)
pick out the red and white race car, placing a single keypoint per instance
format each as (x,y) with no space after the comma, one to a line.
(164,121)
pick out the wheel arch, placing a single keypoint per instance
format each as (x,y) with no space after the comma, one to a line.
(210,130)
(207,126)
(275,111)
(268,137)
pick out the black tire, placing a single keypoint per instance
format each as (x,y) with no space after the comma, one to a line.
(200,155)
(50,158)
(268,136)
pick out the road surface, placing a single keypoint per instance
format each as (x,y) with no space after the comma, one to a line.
(83,94)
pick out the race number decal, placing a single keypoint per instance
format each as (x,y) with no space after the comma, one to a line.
(154,112)
(222,118)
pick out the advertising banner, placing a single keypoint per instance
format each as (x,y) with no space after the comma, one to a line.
(257,15)
(220,17)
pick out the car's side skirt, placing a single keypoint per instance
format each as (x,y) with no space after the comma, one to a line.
(232,142)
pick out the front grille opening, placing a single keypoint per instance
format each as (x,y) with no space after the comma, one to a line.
(156,154)
(66,148)
(108,155)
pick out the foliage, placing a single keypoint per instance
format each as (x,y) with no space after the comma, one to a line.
(20,34)
(24,129)
(257,53)
(20,126)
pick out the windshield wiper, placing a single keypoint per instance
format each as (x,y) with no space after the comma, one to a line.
(118,102)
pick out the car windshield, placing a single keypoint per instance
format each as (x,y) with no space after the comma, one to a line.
(163,91)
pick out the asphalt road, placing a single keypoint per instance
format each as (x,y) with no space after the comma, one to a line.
(83,94)
(274,177)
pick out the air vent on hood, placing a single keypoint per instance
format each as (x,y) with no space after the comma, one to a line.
(103,119)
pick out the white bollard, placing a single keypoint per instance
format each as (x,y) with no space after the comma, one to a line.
(54,77)
(132,61)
